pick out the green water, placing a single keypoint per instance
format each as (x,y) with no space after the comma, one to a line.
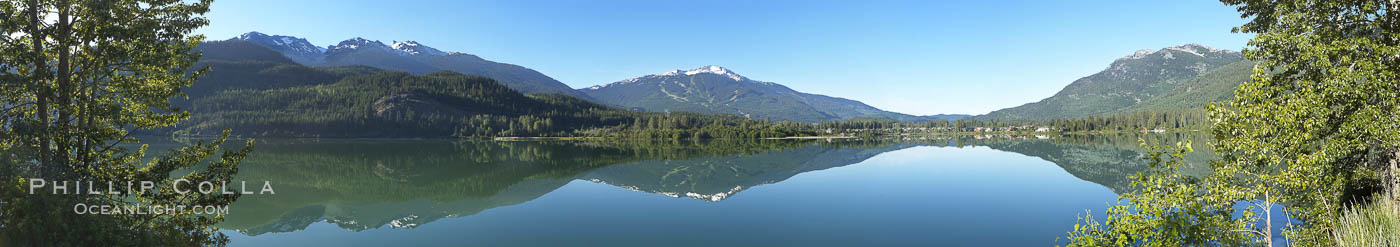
(996,191)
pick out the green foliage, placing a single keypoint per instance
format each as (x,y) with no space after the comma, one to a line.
(1316,130)
(1320,119)
(1167,208)
(1135,121)
(79,77)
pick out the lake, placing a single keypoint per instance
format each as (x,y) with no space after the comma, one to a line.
(962,191)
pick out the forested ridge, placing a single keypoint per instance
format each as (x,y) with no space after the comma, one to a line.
(1179,77)
(1180,119)
(260,94)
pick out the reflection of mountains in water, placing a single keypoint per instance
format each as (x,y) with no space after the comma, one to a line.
(1107,160)
(408,214)
(717,178)
(360,185)
(365,185)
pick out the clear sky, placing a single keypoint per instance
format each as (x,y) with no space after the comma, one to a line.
(916,57)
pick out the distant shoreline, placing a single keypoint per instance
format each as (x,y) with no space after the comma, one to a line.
(809,137)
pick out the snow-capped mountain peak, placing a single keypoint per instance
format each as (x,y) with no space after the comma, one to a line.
(281,43)
(1140,54)
(1195,49)
(714,69)
(671,73)
(357,43)
(298,48)
(710,69)
(250,35)
(414,48)
(1192,49)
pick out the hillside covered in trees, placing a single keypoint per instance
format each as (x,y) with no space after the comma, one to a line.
(255,91)
(719,90)
(1169,79)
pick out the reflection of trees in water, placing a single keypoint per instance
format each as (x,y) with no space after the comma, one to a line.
(361,185)
(1103,159)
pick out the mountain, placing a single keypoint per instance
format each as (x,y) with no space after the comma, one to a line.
(382,104)
(1172,78)
(408,56)
(715,89)
(949,117)
(239,51)
(359,51)
(1216,85)
(297,49)
(238,64)
(272,96)
(254,90)
(521,79)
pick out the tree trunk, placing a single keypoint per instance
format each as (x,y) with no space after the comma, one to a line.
(1268,220)
(38,77)
(1394,173)
(63,80)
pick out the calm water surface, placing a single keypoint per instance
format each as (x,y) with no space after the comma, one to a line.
(996,191)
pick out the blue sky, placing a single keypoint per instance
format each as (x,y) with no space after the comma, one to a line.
(917,57)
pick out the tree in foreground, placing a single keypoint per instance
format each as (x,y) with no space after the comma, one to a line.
(1316,131)
(1167,208)
(79,78)
(1318,126)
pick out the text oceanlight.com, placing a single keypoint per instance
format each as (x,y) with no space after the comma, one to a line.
(84,208)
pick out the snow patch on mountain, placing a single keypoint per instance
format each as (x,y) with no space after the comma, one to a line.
(714,69)
(281,43)
(671,73)
(710,69)
(1139,54)
(1193,49)
(404,222)
(357,43)
(414,48)
(300,47)
(1186,49)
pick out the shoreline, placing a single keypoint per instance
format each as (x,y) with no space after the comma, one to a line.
(809,137)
